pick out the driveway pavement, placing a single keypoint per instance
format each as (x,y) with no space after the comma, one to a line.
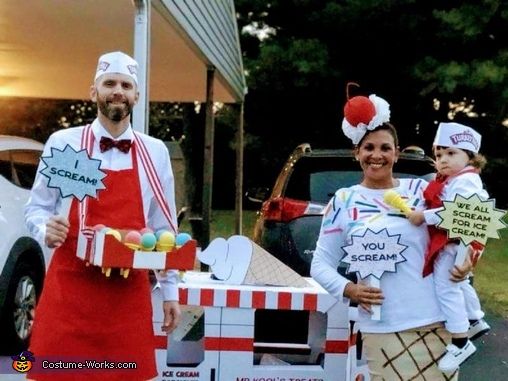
(490,362)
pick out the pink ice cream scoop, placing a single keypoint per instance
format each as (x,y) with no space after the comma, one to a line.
(133,240)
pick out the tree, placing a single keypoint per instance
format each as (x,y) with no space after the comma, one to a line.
(423,57)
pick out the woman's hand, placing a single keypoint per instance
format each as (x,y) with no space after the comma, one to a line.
(365,296)
(460,273)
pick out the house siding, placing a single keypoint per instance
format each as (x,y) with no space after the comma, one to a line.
(212,27)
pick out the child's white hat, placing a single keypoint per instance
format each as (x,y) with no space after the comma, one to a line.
(457,136)
(117,62)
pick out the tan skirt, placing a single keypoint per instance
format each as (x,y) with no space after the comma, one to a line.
(407,355)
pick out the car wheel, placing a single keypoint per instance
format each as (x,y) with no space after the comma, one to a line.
(19,307)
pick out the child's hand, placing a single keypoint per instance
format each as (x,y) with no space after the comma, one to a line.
(416,217)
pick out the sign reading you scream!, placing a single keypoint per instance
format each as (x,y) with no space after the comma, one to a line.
(73,172)
(374,253)
(471,219)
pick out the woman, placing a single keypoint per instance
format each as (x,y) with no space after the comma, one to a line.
(408,339)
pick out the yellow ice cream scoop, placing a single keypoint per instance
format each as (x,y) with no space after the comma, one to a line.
(165,241)
(394,199)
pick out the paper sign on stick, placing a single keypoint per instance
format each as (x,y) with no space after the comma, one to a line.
(74,173)
(372,254)
(471,219)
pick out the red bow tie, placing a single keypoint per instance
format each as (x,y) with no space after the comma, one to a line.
(123,145)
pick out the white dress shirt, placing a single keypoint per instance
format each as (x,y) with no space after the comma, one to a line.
(466,184)
(45,202)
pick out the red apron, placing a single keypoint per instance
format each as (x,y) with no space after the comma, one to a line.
(82,314)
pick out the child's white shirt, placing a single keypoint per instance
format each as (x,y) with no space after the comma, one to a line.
(465,184)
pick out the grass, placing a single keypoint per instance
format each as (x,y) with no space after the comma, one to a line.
(223,223)
(491,275)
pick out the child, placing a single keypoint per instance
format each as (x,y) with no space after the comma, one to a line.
(458,165)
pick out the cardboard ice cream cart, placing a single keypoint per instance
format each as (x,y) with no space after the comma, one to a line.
(251,280)
(226,348)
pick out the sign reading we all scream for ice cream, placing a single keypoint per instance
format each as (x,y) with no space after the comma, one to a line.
(471,219)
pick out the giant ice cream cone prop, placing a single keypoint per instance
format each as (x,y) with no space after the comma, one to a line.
(240,261)
(264,268)
(393,199)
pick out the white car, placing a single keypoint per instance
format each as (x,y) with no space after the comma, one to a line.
(23,261)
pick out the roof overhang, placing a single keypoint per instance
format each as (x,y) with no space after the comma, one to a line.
(50,48)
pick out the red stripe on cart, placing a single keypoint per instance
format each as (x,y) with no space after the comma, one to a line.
(336,346)
(284,301)
(183,295)
(310,302)
(206,297)
(258,299)
(352,339)
(160,342)
(240,344)
(233,298)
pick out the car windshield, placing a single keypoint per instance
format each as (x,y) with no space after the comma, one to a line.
(19,166)
(323,185)
(317,179)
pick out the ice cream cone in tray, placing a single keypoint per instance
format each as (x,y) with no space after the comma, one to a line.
(394,199)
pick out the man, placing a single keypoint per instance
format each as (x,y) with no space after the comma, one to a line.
(82,314)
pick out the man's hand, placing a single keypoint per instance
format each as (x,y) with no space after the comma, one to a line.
(172,316)
(57,229)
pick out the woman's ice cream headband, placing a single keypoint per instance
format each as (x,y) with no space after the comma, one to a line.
(362,114)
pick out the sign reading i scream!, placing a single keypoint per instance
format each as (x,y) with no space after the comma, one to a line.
(73,172)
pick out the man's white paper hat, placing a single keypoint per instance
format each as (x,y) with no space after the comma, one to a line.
(362,114)
(117,62)
(457,136)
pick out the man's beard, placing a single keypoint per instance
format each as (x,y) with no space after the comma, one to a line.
(114,112)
